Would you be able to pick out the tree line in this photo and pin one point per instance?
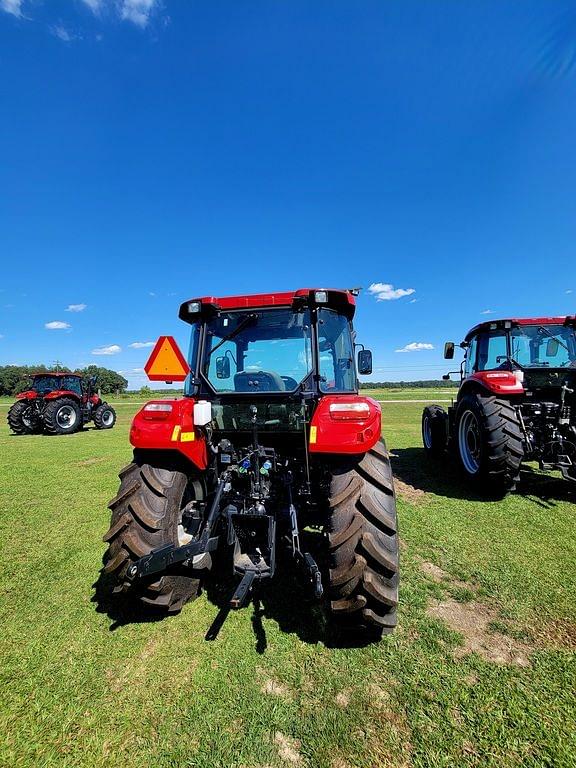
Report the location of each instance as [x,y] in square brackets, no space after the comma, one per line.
[16,378]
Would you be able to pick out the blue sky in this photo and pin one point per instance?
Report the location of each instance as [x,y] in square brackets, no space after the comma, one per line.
[154,151]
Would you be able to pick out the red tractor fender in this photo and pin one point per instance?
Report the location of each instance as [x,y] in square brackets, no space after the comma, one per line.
[169,425]
[30,394]
[502,383]
[62,393]
[345,424]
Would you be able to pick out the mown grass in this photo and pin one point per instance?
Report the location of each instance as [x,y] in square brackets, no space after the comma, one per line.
[79,688]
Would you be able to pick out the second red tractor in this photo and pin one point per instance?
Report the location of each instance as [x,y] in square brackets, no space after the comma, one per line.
[59,404]
[516,402]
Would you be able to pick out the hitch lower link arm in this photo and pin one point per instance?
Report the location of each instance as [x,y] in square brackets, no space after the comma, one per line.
[162,558]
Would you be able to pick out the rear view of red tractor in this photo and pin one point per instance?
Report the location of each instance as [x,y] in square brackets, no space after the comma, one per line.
[59,404]
[516,402]
[270,438]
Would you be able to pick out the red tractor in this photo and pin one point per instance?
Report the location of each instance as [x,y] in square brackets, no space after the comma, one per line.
[59,404]
[270,438]
[516,402]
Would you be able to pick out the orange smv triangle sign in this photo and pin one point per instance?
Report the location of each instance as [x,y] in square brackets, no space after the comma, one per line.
[167,363]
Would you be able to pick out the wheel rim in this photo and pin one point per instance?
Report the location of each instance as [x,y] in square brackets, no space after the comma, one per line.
[66,417]
[427,432]
[107,418]
[26,420]
[470,442]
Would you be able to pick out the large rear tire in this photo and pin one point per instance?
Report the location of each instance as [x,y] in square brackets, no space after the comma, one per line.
[363,542]
[21,420]
[62,417]
[434,430]
[147,514]
[489,442]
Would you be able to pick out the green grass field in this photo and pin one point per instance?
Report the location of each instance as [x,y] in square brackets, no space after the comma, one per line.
[481,671]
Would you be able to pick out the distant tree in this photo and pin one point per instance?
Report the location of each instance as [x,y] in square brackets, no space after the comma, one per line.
[145,391]
[109,382]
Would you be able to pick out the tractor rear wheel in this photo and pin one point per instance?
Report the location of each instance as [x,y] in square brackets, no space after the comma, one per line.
[21,420]
[434,430]
[147,514]
[104,416]
[62,417]
[489,441]
[363,540]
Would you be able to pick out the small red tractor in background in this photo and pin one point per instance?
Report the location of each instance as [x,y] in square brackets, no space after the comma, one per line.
[270,438]
[516,402]
[59,404]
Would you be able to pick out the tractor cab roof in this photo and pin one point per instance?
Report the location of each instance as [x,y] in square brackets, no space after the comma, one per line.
[60,373]
[333,298]
[510,322]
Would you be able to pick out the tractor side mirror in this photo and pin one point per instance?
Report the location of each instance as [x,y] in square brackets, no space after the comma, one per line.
[552,347]
[223,367]
[449,350]
[364,362]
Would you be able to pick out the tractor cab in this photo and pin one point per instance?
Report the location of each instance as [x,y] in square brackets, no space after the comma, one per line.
[519,356]
[278,353]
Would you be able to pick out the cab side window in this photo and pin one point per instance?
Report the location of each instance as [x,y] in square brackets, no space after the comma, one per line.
[492,351]
[470,365]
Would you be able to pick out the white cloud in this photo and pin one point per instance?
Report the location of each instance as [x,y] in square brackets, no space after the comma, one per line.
[416,346]
[387,292]
[141,344]
[113,349]
[569,290]
[62,33]
[76,307]
[137,11]
[12,6]
[56,325]
[137,370]
[413,301]
[487,312]
[94,5]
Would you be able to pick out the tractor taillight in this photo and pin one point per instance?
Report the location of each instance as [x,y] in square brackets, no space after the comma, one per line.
[349,410]
[157,411]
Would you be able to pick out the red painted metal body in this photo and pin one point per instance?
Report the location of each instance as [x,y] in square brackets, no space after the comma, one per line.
[170,430]
[498,382]
[337,298]
[342,431]
[31,395]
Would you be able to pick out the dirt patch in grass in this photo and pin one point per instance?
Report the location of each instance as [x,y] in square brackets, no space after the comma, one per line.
[342,699]
[440,576]
[273,688]
[288,748]
[408,492]
[472,621]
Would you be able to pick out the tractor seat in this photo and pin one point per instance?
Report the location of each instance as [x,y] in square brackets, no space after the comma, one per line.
[258,381]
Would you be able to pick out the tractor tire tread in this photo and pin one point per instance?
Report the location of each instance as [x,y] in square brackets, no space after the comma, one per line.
[363,543]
